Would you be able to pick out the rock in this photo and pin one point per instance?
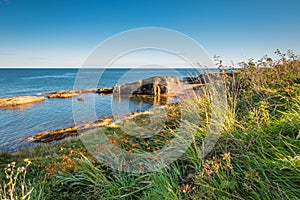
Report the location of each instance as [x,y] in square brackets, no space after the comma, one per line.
[106,90]
[151,86]
[55,135]
[80,99]
[98,123]
[70,131]
[63,95]
[19,100]
[89,90]
[73,93]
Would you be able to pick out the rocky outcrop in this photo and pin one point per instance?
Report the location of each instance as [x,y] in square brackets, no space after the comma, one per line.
[55,135]
[73,93]
[98,123]
[151,86]
[63,95]
[19,100]
[70,131]
[106,90]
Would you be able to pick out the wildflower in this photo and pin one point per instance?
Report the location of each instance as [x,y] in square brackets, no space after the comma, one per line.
[209,171]
[229,167]
[205,165]
[21,169]
[186,188]
[26,160]
[226,156]
[125,140]
[134,145]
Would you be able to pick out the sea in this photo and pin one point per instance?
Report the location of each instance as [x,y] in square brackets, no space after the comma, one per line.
[17,124]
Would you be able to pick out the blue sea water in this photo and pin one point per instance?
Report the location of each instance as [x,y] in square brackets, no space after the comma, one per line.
[17,124]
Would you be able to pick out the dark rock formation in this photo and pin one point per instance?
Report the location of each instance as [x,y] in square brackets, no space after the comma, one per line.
[19,100]
[54,135]
[106,90]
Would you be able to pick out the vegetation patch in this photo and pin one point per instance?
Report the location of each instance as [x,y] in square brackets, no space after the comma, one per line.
[257,156]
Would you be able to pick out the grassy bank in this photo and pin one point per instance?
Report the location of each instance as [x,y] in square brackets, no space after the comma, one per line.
[257,155]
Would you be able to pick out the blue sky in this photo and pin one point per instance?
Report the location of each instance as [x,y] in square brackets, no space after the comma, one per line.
[61,33]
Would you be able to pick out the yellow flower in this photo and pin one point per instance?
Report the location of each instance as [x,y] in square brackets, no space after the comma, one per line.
[27,161]
[226,156]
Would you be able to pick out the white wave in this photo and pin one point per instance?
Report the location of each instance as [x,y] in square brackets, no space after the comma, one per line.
[70,74]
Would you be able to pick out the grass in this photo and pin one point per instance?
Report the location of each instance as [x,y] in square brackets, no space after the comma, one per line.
[256,156]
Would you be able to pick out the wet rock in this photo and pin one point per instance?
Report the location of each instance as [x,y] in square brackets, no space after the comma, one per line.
[55,135]
[19,100]
[106,90]
[80,99]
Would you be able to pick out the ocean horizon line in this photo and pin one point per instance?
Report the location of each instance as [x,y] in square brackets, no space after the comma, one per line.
[108,68]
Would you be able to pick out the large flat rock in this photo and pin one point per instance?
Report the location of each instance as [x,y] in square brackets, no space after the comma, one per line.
[19,100]
[63,95]
[74,93]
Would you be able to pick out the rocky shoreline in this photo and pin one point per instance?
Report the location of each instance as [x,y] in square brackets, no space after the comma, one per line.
[154,86]
[158,85]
